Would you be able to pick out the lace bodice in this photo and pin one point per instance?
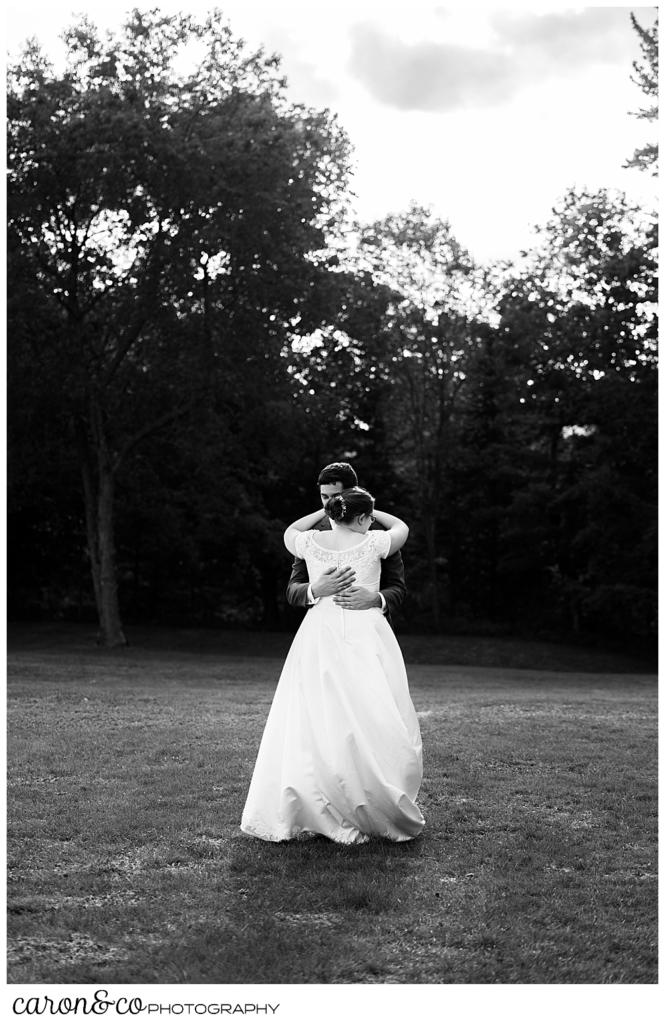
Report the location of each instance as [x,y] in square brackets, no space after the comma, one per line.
[364,558]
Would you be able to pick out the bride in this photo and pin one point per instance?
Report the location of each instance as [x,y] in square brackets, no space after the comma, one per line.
[341,753]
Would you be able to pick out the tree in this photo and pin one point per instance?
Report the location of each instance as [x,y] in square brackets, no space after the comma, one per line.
[430,329]
[581,319]
[646,78]
[164,231]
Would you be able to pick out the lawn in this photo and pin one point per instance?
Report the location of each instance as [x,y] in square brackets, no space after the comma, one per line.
[127,774]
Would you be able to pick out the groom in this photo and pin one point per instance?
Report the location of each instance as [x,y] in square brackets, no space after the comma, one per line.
[339,583]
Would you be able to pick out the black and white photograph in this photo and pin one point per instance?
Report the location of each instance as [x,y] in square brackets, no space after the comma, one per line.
[331,517]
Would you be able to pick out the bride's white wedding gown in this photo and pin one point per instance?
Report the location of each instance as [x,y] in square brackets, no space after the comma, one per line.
[341,753]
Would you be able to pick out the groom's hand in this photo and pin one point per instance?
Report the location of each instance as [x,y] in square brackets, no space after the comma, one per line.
[358,599]
[333,581]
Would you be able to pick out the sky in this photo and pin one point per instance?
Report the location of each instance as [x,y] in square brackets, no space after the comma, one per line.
[486,113]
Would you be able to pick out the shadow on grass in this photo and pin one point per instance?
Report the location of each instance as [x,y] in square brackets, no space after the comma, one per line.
[285,876]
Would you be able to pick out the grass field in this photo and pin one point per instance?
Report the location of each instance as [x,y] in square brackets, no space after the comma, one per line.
[127,776]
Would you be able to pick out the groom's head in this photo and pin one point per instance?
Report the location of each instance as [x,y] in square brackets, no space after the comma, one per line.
[336,478]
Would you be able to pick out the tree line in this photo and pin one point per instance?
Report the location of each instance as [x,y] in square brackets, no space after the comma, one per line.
[197,324]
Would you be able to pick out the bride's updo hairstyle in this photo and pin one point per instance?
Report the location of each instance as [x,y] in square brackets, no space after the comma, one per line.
[352,502]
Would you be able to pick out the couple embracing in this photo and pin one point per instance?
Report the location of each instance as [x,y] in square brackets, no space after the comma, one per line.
[341,752]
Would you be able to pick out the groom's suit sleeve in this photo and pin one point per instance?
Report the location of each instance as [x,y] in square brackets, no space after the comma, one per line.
[296,588]
[392,583]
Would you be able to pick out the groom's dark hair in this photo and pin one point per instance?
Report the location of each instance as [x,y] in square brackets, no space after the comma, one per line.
[341,471]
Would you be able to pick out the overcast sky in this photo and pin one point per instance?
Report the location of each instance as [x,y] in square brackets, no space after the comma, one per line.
[485,112]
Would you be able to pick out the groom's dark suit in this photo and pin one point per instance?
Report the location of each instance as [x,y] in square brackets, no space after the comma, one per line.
[391,584]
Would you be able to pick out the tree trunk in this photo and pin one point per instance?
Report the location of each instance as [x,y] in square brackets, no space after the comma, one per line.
[109,611]
[99,467]
[98,491]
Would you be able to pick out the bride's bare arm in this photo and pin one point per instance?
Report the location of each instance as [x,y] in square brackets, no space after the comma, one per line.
[396,528]
[300,525]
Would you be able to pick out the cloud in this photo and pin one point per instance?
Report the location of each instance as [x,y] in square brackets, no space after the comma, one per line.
[427,76]
[596,35]
[525,48]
